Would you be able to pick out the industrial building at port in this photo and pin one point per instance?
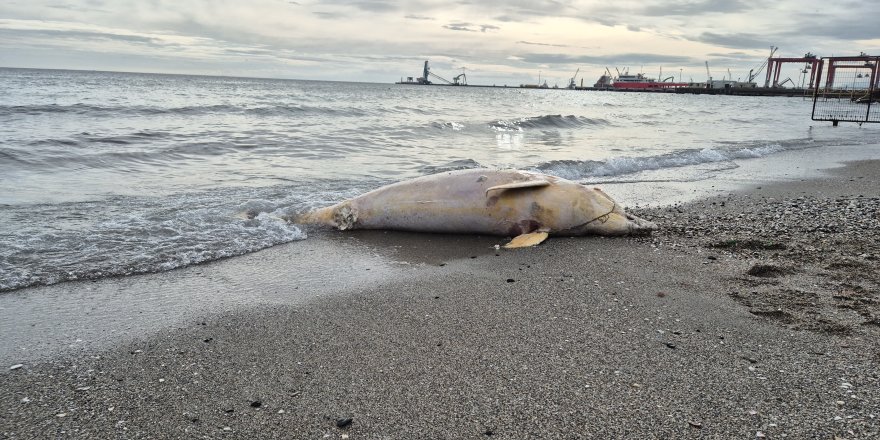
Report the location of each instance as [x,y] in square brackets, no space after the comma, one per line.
[811,70]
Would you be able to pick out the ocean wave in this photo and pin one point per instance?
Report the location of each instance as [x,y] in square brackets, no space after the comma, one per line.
[546,121]
[149,239]
[622,165]
[452,125]
[193,110]
[455,165]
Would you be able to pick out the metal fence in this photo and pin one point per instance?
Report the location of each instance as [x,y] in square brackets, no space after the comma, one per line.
[849,91]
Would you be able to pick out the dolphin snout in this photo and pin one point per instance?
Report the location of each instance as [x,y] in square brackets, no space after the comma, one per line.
[639,225]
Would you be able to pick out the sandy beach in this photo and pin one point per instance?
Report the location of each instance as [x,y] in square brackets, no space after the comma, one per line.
[750,314]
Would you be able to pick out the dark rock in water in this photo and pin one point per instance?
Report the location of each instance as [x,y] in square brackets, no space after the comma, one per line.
[489,433]
[256,404]
[343,423]
[670,345]
[510,280]
[766,271]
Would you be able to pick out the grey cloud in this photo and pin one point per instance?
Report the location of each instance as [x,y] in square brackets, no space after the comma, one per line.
[735,41]
[453,27]
[541,44]
[418,17]
[328,15]
[853,26]
[375,6]
[470,27]
[79,35]
[622,59]
[733,56]
[365,5]
[692,8]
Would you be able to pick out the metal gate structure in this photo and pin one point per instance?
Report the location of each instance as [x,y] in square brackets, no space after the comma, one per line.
[849,92]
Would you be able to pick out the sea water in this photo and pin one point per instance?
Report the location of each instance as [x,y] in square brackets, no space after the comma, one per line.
[107,174]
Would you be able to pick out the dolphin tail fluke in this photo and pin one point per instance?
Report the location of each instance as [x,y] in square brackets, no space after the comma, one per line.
[323,216]
[343,216]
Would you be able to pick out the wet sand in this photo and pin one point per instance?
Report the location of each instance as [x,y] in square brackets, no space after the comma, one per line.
[667,336]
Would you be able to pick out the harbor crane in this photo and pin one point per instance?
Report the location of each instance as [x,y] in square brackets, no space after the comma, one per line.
[427,75]
[460,80]
[708,74]
[757,71]
[571,83]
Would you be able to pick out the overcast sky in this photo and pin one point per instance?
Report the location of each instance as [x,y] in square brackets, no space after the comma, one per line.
[498,42]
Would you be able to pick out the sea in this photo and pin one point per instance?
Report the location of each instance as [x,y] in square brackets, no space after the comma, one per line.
[114,174]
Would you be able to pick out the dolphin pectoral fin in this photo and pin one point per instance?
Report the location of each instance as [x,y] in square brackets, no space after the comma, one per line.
[526,240]
[519,185]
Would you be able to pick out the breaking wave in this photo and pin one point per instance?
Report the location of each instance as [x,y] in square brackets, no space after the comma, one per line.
[546,121]
[148,237]
[622,165]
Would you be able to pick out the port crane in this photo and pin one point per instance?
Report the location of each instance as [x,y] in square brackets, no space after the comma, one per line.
[571,83]
[427,75]
[708,74]
[757,71]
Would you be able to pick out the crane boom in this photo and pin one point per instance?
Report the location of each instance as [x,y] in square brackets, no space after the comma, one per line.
[763,65]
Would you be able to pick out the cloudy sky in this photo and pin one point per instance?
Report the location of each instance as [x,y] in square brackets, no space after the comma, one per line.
[497,42]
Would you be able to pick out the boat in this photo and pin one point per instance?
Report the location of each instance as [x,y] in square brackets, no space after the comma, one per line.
[640,81]
[625,81]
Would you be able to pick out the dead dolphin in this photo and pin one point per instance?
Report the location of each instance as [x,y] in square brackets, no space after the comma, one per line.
[525,205]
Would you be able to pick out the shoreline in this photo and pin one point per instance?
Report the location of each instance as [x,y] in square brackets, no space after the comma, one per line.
[662,336]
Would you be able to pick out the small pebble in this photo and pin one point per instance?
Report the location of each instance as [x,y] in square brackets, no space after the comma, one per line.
[16,366]
[342,423]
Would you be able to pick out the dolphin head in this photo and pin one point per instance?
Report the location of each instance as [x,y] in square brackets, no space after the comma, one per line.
[599,214]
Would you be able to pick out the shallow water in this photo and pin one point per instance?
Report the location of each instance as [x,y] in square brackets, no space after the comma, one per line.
[115,173]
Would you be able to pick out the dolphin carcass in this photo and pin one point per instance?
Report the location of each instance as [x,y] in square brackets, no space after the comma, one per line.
[525,205]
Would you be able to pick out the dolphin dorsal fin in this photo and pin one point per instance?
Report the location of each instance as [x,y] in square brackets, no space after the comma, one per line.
[519,185]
